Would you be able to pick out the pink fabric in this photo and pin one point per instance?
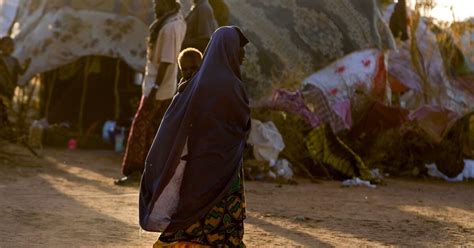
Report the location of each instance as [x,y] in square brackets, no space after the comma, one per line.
[435,121]
[343,110]
[293,102]
[360,71]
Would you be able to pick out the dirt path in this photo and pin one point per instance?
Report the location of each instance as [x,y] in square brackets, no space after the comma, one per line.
[68,200]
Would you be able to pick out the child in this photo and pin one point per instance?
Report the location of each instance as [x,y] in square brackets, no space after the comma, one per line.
[189,61]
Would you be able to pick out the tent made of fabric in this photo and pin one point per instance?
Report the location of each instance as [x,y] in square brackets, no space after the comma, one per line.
[360,72]
[434,121]
[466,44]
[56,33]
[312,34]
[8,10]
[440,90]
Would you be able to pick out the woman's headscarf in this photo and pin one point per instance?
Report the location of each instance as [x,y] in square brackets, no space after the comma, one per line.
[212,118]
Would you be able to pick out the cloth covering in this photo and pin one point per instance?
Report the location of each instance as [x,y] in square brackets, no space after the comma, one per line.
[266,140]
[212,117]
[53,34]
[443,91]
[466,45]
[434,121]
[313,34]
[362,71]
[8,11]
[326,148]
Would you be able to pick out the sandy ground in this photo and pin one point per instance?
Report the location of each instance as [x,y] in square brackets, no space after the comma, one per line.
[67,199]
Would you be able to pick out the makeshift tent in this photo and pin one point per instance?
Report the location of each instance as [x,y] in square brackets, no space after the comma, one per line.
[465,42]
[77,48]
[8,9]
[440,90]
[313,34]
[341,82]
[101,88]
[55,33]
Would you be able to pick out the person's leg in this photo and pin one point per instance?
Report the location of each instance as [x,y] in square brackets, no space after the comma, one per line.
[135,151]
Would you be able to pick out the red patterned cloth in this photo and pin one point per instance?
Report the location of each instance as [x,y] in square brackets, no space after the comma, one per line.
[146,123]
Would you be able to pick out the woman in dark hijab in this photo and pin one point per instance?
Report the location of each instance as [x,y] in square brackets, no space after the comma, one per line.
[192,186]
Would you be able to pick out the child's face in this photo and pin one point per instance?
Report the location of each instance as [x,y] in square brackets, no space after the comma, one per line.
[189,66]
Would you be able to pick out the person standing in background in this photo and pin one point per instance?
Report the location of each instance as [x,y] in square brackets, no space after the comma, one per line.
[165,39]
[221,12]
[10,69]
[201,24]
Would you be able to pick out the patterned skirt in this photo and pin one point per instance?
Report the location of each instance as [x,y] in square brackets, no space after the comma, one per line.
[223,226]
[144,127]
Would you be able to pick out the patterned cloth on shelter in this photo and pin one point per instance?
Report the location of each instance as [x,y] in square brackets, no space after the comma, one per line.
[442,91]
[326,148]
[56,33]
[313,34]
[332,90]
[379,118]
[436,122]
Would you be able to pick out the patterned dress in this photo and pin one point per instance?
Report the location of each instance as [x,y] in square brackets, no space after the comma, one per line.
[222,226]
[143,130]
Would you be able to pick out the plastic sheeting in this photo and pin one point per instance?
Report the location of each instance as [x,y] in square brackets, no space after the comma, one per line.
[266,140]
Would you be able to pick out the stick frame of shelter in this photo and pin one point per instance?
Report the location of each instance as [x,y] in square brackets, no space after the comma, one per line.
[83,96]
[417,57]
[24,102]
[116,90]
[50,93]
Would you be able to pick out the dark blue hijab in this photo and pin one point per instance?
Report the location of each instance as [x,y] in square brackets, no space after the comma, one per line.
[211,116]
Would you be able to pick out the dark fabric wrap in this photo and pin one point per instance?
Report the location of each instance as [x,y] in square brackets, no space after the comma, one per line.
[212,116]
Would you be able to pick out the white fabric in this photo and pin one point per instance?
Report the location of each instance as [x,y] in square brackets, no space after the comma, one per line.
[8,10]
[358,182]
[167,48]
[341,79]
[466,174]
[55,38]
[443,92]
[266,140]
[81,34]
